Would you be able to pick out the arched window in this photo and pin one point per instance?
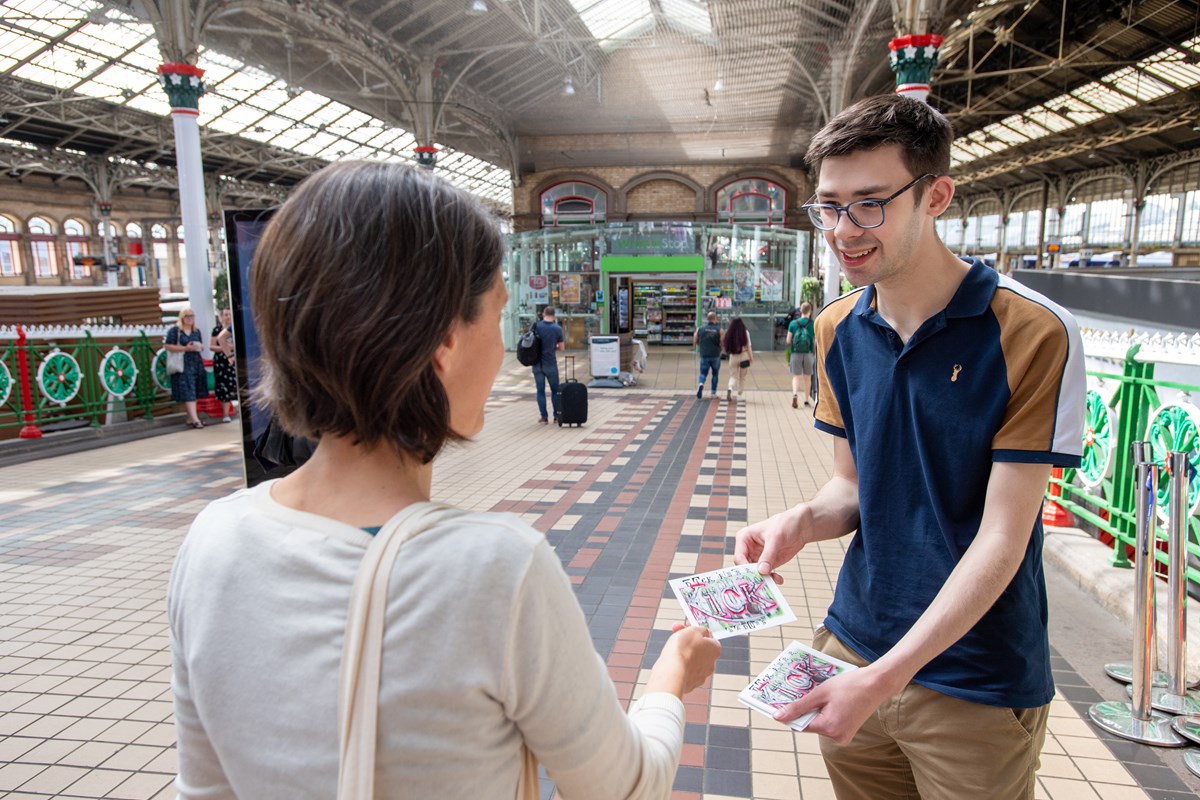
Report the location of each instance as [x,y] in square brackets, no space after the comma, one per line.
[133,231]
[41,246]
[574,203]
[158,232]
[78,244]
[10,248]
[752,200]
[1159,219]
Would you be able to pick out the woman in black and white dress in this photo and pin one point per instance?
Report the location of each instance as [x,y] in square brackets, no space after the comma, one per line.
[224,371]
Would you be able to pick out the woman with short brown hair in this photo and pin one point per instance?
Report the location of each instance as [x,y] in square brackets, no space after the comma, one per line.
[377,295]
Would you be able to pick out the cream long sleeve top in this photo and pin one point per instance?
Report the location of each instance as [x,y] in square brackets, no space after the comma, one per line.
[485,647]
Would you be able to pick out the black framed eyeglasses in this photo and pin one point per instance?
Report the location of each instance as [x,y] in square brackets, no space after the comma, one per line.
[863,213]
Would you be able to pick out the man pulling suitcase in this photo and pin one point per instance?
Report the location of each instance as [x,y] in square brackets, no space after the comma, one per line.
[545,368]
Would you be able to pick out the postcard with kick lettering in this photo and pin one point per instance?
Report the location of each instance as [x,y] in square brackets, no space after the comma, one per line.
[732,601]
[794,673]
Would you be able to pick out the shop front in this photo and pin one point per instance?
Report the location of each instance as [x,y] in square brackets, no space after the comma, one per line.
[654,281]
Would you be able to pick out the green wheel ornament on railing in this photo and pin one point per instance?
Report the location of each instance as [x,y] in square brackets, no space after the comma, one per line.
[1099,430]
[1175,427]
[59,377]
[159,369]
[6,383]
[117,372]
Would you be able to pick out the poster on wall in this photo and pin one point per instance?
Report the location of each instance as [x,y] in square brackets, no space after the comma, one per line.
[538,290]
[771,285]
[568,290]
[743,285]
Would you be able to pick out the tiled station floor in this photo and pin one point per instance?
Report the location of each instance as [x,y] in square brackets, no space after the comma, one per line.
[654,486]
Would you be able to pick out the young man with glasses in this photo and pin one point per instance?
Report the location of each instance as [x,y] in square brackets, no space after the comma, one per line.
[950,391]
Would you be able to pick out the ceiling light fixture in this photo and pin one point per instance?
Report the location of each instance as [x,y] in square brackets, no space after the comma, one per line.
[568,87]
[477,8]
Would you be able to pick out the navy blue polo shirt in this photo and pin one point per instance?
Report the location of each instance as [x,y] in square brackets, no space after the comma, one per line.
[998,375]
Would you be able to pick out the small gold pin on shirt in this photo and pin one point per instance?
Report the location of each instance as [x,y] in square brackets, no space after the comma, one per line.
[954,374]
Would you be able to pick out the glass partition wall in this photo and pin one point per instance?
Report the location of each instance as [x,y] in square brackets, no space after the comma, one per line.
[655,279]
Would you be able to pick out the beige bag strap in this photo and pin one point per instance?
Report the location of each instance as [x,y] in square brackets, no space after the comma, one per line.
[527,782]
[362,649]
[362,653]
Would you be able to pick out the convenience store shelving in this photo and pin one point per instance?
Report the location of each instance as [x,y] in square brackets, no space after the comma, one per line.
[679,312]
[647,312]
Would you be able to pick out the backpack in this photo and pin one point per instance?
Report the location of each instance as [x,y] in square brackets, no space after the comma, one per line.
[529,347]
[802,339]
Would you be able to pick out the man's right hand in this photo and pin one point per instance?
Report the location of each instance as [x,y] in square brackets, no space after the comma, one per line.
[772,542]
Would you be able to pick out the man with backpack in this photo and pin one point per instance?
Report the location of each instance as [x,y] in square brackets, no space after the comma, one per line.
[541,353]
[800,353]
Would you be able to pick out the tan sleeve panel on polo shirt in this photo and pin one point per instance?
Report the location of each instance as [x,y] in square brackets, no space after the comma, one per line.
[1035,347]
[824,331]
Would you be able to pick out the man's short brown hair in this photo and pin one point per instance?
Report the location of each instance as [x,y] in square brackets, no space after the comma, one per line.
[924,135]
[355,284]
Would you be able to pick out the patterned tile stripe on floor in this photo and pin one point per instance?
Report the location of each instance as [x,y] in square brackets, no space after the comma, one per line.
[87,540]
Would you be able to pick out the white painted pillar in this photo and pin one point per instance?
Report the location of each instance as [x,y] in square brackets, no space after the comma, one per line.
[182,83]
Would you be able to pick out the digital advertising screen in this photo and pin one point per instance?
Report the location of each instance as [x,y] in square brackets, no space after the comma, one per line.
[243,229]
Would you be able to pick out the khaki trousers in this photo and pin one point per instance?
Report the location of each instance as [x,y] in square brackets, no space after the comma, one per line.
[737,375]
[927,745]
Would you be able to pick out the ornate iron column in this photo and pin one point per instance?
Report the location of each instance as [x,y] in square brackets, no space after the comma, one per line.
[109,257]
[426,155]
[183,85]
[913,59]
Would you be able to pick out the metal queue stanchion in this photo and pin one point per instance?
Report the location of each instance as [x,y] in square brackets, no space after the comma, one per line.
[1137,720]
[1189,728]
[1123,670]
[1176,694]
[1174,698]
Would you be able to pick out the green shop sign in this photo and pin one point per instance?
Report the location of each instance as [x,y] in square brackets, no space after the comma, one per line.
[678,241]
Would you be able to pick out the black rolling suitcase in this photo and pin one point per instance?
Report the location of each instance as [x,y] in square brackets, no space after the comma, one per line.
[572,399]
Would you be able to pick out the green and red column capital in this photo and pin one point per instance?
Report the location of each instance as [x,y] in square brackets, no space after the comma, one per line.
[183,84]
[913,59]
[426,155]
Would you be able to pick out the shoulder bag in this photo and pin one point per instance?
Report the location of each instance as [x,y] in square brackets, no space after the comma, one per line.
[175,359]
[362,653]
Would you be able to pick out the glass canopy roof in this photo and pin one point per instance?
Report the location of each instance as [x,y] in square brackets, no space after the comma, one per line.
[1166,72]
[614,23]
[78,46]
